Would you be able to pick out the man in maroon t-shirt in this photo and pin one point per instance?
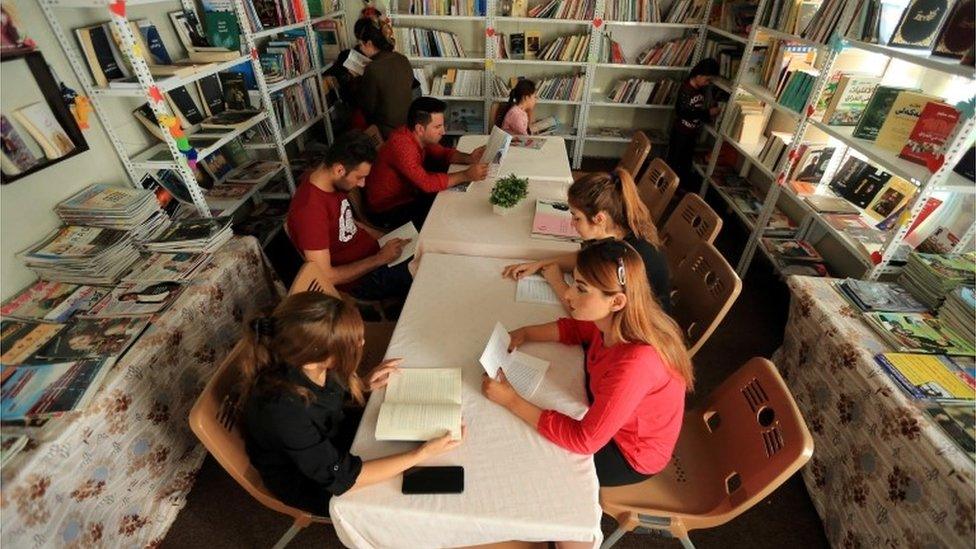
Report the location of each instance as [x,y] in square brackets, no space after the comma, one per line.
[412,167]
[321,224]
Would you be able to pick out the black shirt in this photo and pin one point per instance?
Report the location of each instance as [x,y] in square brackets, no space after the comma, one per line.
[656,265]
[294,446]
[691,108]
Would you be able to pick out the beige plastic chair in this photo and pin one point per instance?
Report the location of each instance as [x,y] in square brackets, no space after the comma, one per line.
[375,136]
[703,290]
[633,158]
[213,420]
[311,279]
[692,221]
[741,444]
[657,187]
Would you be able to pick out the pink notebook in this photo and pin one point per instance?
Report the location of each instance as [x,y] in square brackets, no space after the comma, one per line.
[553,220]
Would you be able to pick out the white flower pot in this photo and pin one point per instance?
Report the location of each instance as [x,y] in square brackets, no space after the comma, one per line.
[499,210]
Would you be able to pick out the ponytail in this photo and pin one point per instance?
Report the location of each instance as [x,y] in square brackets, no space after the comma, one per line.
[615,194]
[522,89]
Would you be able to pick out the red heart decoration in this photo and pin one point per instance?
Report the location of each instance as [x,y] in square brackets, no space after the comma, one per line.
[792,154]
[781,178]
[809,110]
[254,53]
[598,22]
[157,97]
[875,257]
[117,7]
[490,32]
[934,163]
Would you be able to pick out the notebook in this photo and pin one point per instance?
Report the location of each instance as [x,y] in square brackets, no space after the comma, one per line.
[421,404]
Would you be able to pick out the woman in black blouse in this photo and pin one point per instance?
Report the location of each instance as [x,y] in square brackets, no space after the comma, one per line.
[300,371]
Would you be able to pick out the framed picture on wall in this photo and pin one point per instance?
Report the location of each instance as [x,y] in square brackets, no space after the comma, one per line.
[37,130]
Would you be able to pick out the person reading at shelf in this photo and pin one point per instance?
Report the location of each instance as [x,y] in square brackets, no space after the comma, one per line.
[299,370]
[515,117]
[385,88]
[412,167]
[321,224]
[607,205]
[637,369]
[693,109]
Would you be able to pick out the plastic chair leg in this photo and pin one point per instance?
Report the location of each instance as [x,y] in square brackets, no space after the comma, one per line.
[613,538]
[292,531]
[686,542]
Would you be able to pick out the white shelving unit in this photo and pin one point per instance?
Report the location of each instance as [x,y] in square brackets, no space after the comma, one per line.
[155,157]
[778,194]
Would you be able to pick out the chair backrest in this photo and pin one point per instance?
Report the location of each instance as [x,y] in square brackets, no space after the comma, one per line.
[311,279]
[214,420]
[375,136]
[657,187]
[753,437]
[692,221]
[703,290]
[637,151]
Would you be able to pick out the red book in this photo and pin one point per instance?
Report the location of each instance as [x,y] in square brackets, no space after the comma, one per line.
[929,136]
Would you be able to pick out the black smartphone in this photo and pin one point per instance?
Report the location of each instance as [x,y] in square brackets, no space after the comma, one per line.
[434,480]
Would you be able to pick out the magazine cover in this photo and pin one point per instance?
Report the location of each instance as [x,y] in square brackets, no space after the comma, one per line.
[77,241]
[162,267]
[38,300]
[553,220]
[868,295]
[135,299]
[87,338]
[796,250]
[958,422]
[20,339]
[918,333]
[47,390]
[930,377]
[194,229]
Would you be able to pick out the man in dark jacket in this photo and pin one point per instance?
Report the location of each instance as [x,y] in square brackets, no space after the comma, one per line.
[691,112]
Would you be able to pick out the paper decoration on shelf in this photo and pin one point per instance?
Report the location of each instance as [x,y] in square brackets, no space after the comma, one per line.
[137,49]
[810,110]
[254,53]
[489,32]
[117,7]
[598,22]
[191,158]
[81,108]
[837,43]
[966,108]
[489,64]
[154,92]
[875,257]
[183,143]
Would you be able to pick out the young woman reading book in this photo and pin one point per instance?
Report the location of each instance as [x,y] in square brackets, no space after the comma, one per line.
[300,370]
[607,205]
[515,117]
[637,369]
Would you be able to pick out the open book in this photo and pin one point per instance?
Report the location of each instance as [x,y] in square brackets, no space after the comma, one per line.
[421,404]
[405,231]
[535,289]
[356,62]
[496,149]
[524,372]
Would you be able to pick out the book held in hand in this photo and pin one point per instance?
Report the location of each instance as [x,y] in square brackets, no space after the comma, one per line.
[525,372]
[421,404]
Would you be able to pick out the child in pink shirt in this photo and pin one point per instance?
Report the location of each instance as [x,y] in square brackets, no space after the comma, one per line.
[513,117]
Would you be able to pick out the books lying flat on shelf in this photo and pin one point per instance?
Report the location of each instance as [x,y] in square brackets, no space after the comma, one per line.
[958,311]
[748,120]
[255,172]
[178,267]
[93,337]
[421,404]
[936,378]
[50,301]
[45,129]
[82,255]
[871,296]
[21,339]
[918,333]
[830,204]
[792,249]
[930,277]
[406,232]
[193,235]
[230,119]
[957,421]
[49,390]
[553,221]
[852,227]
[136,299]
[536,289]
[525,372]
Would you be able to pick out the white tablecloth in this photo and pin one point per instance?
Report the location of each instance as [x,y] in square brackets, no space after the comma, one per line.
[550,163]
[518,485]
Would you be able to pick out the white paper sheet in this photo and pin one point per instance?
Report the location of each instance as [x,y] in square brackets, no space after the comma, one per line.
[407,231]
[524,372]
[535,289]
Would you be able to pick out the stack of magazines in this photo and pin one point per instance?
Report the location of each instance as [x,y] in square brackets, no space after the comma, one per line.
[871,296]
[958,311]
[930,277]
[113,207]
[51,301]
[193,235]
[918,333]
[931,377]
[82,255]
[178,267]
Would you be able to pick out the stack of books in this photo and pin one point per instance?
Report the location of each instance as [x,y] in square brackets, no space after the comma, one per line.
[645,11]
[82,255]
[669,53]
[114,207]
[566,48]
[564,9]
[635,91]
[193,235]
[931,277]
[918,333]
[687,11]
[958,311]
[458,83]
[748,121]
[871,296]
[420,42]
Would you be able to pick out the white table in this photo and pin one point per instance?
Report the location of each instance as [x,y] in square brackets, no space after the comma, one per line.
[550,163]
[518,485]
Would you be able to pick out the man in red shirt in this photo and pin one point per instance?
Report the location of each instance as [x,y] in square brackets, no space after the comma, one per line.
[412,167]
[321,224]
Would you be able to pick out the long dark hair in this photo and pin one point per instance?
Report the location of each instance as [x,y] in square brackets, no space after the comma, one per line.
[616,194]
[367,30]
[305,328]
[523,88]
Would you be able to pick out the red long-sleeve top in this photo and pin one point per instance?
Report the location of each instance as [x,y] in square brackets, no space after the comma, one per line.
[637,400]
[403,170]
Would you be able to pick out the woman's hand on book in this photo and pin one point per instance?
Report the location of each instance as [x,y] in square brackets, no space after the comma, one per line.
[522,270]
[442,444]
[380,375]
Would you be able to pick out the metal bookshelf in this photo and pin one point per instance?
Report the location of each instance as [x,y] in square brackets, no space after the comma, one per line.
[151,91]
[812,222]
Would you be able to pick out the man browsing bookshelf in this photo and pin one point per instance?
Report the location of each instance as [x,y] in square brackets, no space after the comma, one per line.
[412,167]
[322,226]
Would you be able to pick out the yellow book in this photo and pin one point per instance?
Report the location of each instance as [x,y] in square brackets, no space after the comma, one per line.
[532,40]
[895,194]
[520,8]
[901,120]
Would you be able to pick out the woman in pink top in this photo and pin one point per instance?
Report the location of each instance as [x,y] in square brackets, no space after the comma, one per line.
[515,116]
[637,369]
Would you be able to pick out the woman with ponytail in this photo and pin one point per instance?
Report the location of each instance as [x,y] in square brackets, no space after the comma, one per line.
[607,205]
[300,368]
[385,92]
[637,369]
[515,116]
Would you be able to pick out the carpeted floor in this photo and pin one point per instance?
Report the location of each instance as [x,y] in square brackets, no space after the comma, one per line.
[220,514]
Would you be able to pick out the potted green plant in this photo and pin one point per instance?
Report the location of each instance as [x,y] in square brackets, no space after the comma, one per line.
[507,192]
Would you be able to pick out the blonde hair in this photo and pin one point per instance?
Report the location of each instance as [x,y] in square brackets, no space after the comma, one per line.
[616,194]
[612,266]
[305,328]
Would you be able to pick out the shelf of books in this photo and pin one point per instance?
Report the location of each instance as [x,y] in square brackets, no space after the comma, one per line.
[847,138]
[205,94]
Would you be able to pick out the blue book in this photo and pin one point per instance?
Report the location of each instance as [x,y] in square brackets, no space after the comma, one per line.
[157,50]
